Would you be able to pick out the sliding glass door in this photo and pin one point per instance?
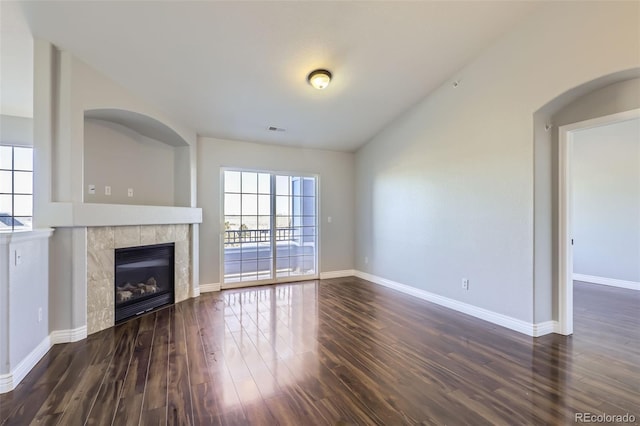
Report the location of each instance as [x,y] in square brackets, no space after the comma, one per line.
[270,227]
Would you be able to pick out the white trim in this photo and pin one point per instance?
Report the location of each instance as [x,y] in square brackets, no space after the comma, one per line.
[68,336]
[511,323]
[613,282]
[337,274]
[206,288]
[258,283]
[20,236]
[65,214]
[565,248]
[565,208]
[8,382]
[546,327]
[273,174]
[194,258]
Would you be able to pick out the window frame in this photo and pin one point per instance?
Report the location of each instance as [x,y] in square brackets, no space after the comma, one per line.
[275,278]
[13,217]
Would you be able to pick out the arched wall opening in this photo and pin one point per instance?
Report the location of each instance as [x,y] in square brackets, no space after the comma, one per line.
[600,97]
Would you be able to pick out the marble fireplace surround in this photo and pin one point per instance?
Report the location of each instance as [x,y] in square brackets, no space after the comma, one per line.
[101,244]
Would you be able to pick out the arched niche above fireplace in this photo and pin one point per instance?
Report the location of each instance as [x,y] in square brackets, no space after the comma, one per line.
[140,123]
[131,158]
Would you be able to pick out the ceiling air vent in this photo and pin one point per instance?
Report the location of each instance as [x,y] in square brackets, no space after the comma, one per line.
[275,129]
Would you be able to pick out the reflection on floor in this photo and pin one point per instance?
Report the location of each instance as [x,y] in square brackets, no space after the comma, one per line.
[339,351]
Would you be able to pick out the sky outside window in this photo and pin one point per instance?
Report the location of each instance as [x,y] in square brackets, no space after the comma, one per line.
[16,188]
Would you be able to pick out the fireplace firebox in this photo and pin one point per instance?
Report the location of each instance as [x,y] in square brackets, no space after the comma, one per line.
[144,279]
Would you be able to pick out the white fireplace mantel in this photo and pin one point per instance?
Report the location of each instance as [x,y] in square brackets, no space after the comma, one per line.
[89,214]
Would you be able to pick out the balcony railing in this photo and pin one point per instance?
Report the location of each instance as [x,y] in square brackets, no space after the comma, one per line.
[247,260]
[256,235]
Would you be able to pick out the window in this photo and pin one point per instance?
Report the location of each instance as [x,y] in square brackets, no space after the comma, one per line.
[270,227]
[16,188]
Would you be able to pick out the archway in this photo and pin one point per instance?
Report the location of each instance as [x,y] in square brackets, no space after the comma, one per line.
[601,97]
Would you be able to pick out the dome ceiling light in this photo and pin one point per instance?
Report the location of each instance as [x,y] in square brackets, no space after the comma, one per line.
[319,79]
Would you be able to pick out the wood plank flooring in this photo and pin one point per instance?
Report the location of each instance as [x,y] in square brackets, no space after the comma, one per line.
[336,352]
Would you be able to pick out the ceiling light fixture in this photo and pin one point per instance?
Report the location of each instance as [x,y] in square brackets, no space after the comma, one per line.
[319,79]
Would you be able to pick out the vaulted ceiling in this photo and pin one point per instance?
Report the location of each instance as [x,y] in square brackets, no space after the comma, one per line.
[232,69]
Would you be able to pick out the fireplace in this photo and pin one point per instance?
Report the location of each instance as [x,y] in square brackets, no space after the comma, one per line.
[144,279]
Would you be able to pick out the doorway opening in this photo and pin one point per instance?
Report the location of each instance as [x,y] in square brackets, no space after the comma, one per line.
[567,134]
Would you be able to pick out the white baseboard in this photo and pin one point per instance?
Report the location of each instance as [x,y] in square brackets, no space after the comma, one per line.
[530,329]
[68,336]
[8,382]
[206,288]
[547,327]
[337,274]
[630,285]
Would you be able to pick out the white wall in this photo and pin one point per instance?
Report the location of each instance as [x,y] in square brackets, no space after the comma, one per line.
[64,88]
[608,95]
[16,130]
[24,303]
[121,158]
[63,315]
[606,197]
[28,293]
[336,196]
[447,190]
[5,261]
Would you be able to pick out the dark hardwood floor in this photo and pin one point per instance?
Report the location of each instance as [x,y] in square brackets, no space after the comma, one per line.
[336,352]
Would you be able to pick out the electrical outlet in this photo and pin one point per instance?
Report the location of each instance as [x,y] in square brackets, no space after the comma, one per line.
[366,260]
[130,192]
[18,257]
[39,314]
[329,219]
[465,283]
[107,190]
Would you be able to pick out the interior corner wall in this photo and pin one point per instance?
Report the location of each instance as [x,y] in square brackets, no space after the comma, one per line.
[336,196]
[67,279]
[60,280]
[183,193]
[600,97]
[447,190]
